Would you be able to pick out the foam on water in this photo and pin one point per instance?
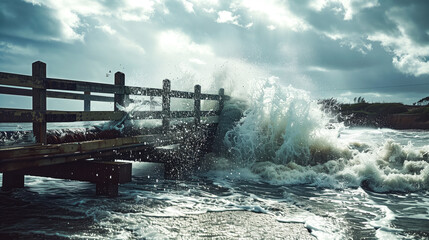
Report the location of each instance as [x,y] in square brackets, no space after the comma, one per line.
[285,138]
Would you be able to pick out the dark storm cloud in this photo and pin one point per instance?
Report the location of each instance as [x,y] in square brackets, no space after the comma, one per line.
[25,20]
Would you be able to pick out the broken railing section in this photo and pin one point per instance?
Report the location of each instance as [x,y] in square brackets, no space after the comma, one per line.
[40,87]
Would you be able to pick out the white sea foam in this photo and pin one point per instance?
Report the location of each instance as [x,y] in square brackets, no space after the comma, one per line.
[285,138]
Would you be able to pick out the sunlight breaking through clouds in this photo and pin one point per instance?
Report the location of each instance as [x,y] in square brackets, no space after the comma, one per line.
[344,43]
[275,12]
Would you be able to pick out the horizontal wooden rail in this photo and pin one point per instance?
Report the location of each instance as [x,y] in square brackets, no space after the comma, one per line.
[19,80]
[40,87]
[21,115]
[55,94]
[209,97]
[73,85]
[181,94]
[12,79]
[141,91]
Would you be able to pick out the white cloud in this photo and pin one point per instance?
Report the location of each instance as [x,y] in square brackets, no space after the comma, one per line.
[189,7]
[7,47]
[409,56]
[136,10]
[69,13]
[227,17]
[173,41]
[107,29]
[197,61]
[348,7]
[271,27]
[317,69]
[205,3]
[275,12]
[209,10]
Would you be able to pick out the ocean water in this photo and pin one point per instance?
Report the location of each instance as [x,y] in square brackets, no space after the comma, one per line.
[281,169]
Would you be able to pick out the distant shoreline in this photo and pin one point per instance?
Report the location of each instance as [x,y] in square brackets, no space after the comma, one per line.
[385,115]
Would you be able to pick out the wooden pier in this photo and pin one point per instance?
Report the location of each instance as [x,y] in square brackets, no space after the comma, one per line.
[179,146]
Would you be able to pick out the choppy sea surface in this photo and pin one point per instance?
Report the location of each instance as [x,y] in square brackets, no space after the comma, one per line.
[281,168]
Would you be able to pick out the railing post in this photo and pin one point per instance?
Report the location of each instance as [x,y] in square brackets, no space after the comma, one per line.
[151,103]
[87,101]
[197,105]
[119,97]
[39,102]
[166,87]
[221,99]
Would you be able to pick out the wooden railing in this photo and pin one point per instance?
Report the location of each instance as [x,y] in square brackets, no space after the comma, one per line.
[43,87]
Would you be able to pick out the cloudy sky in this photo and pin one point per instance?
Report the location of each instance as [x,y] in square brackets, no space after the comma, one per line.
[378,49]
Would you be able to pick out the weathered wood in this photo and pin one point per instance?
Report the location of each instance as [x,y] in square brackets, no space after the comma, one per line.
[35,151]
[119,97]
[19,80]
[73,85]
[54,94]
[166,87]
[78,96]
[191,114]
[106,175]
[64,116]
[17,115]
[87,170]
[205,96]
[197,105]
[221,100]
[87,101]
[181,94]
[114,151]
[39,102]
[16,91]
[12,180]
[142,91]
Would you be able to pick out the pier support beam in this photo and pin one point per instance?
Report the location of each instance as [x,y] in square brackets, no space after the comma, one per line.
[106,175]
[12,180]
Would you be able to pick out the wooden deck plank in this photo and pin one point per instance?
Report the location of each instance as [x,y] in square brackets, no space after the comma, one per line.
[35,151]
